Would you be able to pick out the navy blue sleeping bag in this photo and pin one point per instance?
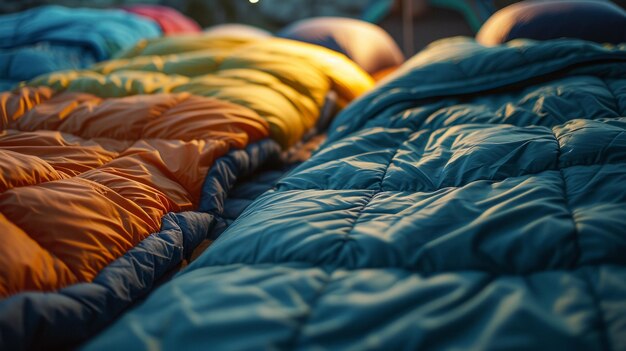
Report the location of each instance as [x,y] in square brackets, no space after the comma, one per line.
[54,38]
[476,200]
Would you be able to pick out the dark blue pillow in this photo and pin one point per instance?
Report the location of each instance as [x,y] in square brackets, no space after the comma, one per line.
[598,21]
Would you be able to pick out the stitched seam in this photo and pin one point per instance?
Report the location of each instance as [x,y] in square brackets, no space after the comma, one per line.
[416,270]
[68,177]
[459,67]
[576,235]
[346,236]
[371,196]
[292,343]
[604,337]
[91,139]
[93,183]
[75,276]
[165,111]
[382,178]
[522,55]
[461,185]
[62,176]
[617,101]
[98,102]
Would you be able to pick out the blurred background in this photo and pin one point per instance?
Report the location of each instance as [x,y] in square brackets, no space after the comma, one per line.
[412,23]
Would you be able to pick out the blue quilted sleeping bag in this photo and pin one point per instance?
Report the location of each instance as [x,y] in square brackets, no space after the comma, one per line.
[476,200]
[54,38]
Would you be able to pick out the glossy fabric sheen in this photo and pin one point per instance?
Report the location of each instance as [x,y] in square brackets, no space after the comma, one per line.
[475,200]
[284,81]
[85,179]
[114,177]
[52,38]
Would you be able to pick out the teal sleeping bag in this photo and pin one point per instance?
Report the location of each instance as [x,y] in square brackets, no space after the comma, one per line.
[53,38]
[474,200]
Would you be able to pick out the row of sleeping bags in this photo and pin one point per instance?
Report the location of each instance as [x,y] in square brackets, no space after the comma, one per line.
[475,199]
[112,175]
[54,38]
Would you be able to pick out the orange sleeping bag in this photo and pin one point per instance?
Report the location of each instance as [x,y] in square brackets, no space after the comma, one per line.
[84,179]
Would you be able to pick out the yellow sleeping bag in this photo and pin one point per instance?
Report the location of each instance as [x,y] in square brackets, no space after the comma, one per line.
[284,81]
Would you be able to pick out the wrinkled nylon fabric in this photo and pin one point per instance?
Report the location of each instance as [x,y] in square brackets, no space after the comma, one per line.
[474,200]
[100,190]
[284,81]
[85,179]
[69,316]
[53,38]
[60,320]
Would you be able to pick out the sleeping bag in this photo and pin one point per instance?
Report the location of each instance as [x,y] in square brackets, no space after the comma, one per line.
[475,200]
[284,81]
[114,175]
[52,38]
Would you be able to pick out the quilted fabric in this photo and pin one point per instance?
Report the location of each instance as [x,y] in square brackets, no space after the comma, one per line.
[111,179]
[284,81]
[474,201]
[116,165]
[53,38]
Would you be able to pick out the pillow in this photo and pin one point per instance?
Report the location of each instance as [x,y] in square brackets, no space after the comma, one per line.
[364,43]
[599,21]
[238,30]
